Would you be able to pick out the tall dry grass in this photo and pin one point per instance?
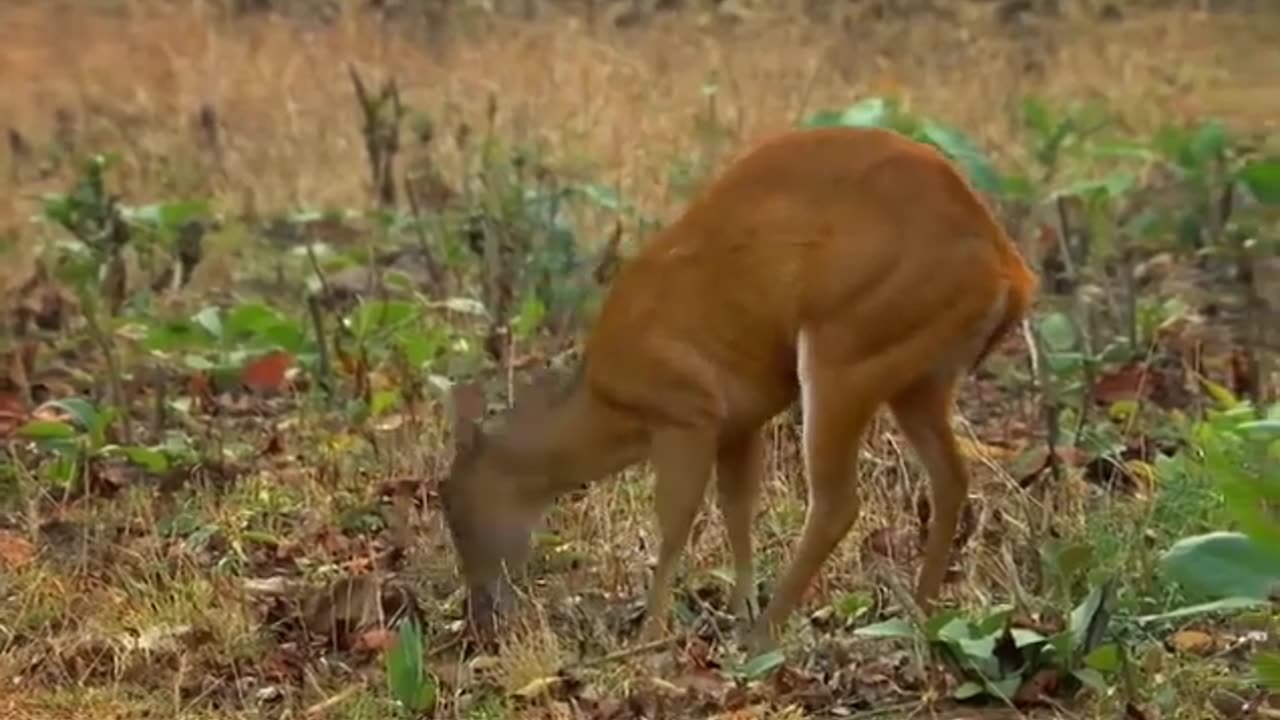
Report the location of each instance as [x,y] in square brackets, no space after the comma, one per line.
[619,102]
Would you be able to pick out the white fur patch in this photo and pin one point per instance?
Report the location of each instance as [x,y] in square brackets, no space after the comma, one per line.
[804,373]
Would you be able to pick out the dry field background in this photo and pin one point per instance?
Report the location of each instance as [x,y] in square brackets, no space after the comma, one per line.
[615,96]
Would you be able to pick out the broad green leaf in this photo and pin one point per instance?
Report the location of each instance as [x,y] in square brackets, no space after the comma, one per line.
[965,153]
[1223,605]
[284,335]
[1091,678]
[1036,115]
[151,460]
[197,363]
[872,112]
[176,335]
[47,430]
[382,401]
[994,620]
[1111,186]
[1223,564]
[1006,687]
[411,684]
[1089,619]
[82,410]
[1208,143]
[761,665]
[933,626]
[168,215]
[1223,396]
[1266,665]
[250,319]
[1057,331]
[1262,427]
[605,197]
[1262,177]
[1122,150]
[1022,637]
[210,319]
[378,315]
[1104,658]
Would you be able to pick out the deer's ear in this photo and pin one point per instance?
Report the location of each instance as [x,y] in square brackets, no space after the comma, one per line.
[468,406]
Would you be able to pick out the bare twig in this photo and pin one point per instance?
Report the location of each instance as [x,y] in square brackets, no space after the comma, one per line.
[630,652]
[334,700]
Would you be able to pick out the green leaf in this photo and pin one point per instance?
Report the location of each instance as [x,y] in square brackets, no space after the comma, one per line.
[379,315]
[1262,427]
[1208,143]
[1089,619]
[1225,604]
[410,683]
[1223,564]
[874,112]
[605,197]
[47,430]
[1036,115]
[248,319]
[1104,658]
[1112,186]
[892,628]
[210,319]
[177,335]
[1057,331]
[1262,177]
[151,460]
[968,690]
[82,410]
[1022,637]
[1091,678]
[168,215]
[965,153]
[1267,667]
[761,665]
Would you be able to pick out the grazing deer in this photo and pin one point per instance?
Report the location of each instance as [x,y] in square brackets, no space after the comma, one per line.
[850,268]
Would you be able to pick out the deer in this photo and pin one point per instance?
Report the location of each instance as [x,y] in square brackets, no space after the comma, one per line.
[844,268]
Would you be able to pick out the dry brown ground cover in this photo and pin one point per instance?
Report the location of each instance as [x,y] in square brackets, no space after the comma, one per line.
[184,593]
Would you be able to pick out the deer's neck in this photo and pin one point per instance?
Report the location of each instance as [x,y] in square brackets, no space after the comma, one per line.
[579,441]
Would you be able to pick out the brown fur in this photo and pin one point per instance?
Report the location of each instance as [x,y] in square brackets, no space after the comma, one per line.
[871,245]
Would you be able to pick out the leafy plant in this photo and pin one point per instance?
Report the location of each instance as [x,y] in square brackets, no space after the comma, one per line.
[996,659]
[1240,453]
[414,688]
[887,113]
[83,437]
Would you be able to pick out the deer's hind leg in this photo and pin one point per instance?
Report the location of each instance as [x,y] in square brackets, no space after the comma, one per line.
[836,408]
[922,412]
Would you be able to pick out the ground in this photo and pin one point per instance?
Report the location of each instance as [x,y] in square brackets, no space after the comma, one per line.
[225,513]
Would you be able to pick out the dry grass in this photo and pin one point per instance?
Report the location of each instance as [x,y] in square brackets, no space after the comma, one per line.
[624,102]
[617,106]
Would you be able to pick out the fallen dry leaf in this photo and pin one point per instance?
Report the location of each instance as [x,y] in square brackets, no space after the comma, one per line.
[975,449]
[1193,642]
[1128,382]
[16,552]
[268,372]
[376,640]
[538,687]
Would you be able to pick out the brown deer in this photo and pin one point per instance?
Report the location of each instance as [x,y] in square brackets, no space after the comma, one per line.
[849,268]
